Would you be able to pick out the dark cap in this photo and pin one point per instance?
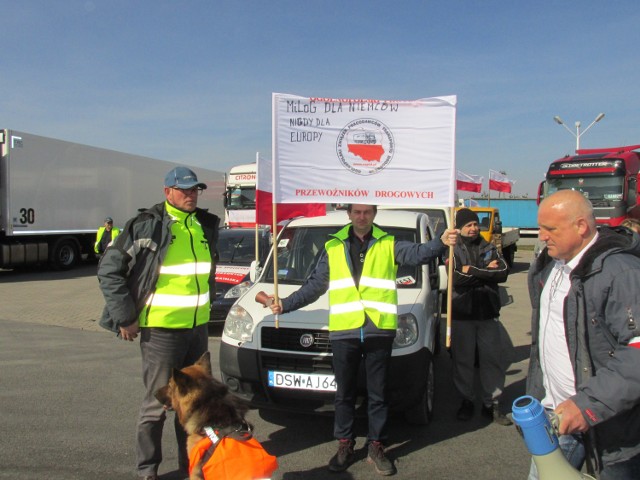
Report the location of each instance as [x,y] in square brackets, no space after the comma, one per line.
[182,177]
[464,216]
[108,220]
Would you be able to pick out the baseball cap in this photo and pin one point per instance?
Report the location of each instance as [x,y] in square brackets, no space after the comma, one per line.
[182,177]
[108,220]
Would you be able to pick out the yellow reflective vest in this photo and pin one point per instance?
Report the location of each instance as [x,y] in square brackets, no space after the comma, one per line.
[376,294]
[114,233]
[181,297]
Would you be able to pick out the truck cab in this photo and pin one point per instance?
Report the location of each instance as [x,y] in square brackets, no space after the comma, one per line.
[608,177]
[240,196]
[287,363]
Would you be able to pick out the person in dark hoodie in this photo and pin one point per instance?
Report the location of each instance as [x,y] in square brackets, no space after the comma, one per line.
[585,339]
[478,268]
[157,279]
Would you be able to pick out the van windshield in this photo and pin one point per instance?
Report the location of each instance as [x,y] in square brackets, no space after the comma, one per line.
[299,249]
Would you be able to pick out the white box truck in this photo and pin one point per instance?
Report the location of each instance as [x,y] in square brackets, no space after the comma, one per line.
[240,196]
[55,194]
[289,366]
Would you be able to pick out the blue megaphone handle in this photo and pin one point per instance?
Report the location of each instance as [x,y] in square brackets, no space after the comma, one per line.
[539,435]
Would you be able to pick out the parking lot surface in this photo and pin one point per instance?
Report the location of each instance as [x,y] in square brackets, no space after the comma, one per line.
[70,393]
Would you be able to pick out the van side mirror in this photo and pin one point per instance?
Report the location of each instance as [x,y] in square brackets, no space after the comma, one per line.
[255,271]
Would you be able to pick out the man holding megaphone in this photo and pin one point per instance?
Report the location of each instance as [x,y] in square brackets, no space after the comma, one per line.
[585,348]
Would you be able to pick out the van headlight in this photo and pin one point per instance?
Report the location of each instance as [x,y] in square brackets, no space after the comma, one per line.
[239,324]
[237,290]
[407,331]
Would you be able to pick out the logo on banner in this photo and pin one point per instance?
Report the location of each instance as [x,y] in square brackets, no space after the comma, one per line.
[365,146]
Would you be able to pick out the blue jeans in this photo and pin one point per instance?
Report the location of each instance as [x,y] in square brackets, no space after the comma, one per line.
[347,355]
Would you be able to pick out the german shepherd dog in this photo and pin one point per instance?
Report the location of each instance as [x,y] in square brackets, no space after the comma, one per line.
[200,401]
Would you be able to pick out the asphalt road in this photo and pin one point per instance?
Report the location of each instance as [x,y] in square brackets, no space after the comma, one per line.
[70,392]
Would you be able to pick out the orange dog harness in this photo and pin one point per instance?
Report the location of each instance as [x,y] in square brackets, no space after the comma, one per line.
[232,454]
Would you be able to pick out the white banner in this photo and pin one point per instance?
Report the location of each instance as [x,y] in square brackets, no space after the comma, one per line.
[377,152]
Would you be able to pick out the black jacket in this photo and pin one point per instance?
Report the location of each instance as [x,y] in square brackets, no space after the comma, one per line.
[475,294]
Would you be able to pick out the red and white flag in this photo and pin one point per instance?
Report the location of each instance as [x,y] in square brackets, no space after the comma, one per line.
[469,183]
[264,199]
[499,182]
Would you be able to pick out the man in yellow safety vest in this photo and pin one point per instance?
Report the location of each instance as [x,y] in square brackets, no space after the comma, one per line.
[359,267]
[156,280]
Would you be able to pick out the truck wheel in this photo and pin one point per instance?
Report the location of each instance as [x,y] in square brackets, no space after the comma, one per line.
[64,254]
[422,412]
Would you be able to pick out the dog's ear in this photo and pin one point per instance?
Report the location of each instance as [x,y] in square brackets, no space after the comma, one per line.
[184,383]
[205,362]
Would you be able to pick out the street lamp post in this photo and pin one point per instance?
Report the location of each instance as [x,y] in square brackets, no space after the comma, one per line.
[578,133]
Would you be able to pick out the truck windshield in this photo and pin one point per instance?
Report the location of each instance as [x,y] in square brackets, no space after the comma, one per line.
[594,188]
[241,198]
[299,250]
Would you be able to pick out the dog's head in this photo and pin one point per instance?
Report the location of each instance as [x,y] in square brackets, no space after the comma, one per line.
[199,399]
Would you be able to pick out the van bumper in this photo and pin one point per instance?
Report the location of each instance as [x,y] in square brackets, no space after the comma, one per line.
[244,371]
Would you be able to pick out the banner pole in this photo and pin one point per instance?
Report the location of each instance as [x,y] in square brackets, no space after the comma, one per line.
[276,298]
[450,286]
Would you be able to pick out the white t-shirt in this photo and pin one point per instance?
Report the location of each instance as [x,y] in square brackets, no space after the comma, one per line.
[557,373]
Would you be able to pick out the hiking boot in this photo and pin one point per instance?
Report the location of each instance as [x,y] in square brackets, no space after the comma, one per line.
[493,413]
[381,463]
[343,457]
[465,412]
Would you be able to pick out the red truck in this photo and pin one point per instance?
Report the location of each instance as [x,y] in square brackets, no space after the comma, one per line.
[608,177]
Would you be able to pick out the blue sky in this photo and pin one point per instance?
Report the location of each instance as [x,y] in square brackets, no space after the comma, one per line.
[191,81]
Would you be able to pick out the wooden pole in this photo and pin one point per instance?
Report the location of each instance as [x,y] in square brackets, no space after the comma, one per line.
[450,284]
[276,298]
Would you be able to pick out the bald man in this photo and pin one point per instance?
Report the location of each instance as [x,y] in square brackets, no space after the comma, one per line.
[585,345]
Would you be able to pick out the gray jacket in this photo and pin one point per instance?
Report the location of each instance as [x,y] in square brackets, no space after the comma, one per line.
[599,312]
[129,269]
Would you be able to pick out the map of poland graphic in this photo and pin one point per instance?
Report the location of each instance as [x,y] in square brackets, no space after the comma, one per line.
[366,146]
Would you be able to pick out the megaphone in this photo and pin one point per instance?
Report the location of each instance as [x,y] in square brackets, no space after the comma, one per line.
[541,440]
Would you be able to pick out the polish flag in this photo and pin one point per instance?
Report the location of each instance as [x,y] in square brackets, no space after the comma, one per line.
[635,342]
[469,183]
[284,211]
[499,182]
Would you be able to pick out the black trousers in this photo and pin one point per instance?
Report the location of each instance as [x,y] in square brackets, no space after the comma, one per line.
[375,352]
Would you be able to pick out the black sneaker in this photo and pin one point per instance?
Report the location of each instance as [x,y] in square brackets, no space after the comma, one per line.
[344,456]
[382,464]
[493,413]
[465,412]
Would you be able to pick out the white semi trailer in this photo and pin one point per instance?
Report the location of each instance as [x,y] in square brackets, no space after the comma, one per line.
[55,194]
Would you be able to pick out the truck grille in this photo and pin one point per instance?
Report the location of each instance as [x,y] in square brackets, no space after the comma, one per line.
[296,364]
[289,339]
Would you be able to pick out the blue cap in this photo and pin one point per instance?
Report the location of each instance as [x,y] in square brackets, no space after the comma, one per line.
[182,177]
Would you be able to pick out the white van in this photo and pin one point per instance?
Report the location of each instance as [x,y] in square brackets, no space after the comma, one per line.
[288,366]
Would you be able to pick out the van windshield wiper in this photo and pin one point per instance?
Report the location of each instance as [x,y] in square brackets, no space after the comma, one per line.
[236,247]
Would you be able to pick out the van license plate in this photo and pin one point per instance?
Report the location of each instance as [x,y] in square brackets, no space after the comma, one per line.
[302,381]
